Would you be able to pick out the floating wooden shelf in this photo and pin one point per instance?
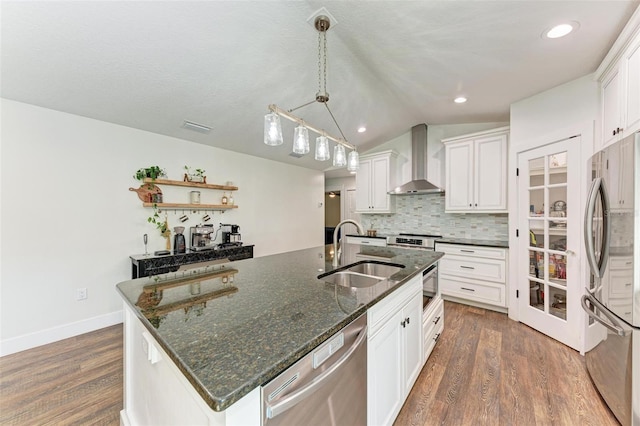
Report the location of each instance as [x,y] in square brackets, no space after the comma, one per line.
[179,206]
[190,184]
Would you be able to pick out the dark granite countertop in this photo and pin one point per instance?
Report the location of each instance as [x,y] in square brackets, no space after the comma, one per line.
[233,327]
[472,242]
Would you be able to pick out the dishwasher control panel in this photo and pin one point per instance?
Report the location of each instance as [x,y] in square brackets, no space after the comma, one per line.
[328,349]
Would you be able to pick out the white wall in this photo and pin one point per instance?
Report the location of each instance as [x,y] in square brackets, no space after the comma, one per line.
[68,219]
[561,107]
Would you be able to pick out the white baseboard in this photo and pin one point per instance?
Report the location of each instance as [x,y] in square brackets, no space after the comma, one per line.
[50,335]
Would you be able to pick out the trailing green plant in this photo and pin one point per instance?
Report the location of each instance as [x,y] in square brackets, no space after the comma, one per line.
[152,172]
[157,221]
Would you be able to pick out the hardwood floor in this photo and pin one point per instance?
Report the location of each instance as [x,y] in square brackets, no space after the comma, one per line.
[485,370]
[489,370]
[74,381]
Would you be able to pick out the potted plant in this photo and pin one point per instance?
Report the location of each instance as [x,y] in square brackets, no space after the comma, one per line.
[196,175]
[152,172]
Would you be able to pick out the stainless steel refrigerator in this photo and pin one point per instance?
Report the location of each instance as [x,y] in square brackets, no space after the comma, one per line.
[612,296]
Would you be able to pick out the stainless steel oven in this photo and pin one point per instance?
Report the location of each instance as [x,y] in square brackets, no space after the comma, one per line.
[430,275]
[429,285]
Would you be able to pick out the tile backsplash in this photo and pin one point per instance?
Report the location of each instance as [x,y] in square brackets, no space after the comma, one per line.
[424,214]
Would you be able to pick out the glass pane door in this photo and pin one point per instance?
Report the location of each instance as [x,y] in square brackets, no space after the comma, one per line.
[548,233]
[548,211]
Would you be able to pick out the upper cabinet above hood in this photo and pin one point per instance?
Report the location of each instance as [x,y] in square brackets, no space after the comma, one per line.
[418,183]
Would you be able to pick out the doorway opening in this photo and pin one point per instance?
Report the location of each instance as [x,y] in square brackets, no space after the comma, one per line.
[332,214]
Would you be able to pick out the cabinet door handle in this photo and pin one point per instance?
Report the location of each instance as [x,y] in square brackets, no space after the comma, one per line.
[408,321]
[470,205]
[437,320]
[468,289]
[403,323]
[435,339]
[614,132]
[467,267]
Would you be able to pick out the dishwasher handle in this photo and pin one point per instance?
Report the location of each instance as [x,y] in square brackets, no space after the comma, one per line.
[304,392]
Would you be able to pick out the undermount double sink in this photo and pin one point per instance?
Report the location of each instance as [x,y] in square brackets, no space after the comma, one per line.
[362,274]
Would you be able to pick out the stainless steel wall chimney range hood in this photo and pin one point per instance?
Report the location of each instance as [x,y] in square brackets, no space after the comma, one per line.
[418,183]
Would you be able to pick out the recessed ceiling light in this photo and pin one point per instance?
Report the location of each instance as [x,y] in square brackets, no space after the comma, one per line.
[362,129]
[460,100]
[561,30]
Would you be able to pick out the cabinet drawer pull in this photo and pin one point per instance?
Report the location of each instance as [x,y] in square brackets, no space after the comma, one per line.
[467,267]
[435,339]
[437,320]
[468,289]
[628,263]
[627,285]
[467,251]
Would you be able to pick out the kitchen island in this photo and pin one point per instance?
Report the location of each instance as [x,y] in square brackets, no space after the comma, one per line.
[231,328]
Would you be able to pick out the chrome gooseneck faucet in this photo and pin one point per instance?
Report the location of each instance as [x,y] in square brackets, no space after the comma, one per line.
[337,251]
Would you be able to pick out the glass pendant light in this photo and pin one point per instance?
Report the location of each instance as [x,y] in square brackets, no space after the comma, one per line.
[353,162]
[301,140]
[339,156]
[322,149]
[272,129]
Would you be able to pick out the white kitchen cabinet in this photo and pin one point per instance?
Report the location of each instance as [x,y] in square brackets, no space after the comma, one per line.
[619,77]
[158,393]
[394,351]
[474,275]
[374,179]
[476,172]
[432,326]
[620,171]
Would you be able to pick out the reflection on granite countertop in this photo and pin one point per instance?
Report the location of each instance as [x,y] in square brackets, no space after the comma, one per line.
[472,242]
[233,327]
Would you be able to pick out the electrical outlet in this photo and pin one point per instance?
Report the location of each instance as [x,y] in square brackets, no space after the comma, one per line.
[81,293]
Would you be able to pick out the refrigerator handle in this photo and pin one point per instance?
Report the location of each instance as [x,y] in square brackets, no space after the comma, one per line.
[597,268]
[615,326]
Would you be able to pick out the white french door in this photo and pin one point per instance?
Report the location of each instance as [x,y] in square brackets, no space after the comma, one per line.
[549,225]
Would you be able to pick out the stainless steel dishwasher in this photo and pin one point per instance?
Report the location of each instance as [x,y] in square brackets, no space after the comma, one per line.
[328,386]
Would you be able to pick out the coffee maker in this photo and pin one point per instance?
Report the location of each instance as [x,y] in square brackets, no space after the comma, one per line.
[202,237]
[230,235]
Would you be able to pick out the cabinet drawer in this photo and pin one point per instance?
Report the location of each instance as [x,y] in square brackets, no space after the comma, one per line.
[473,268]
[369,241]
[433,318]
[475,251]
[485,292]
[624,262]
[378,313]
[621,283]
[431,339]
[623,308]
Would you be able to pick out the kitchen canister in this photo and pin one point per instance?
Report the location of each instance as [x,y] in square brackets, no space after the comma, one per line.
[195,197]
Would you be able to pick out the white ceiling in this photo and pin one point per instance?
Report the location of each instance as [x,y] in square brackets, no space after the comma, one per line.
[392,64]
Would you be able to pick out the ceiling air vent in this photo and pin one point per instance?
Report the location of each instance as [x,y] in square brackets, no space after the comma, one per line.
[200,128]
